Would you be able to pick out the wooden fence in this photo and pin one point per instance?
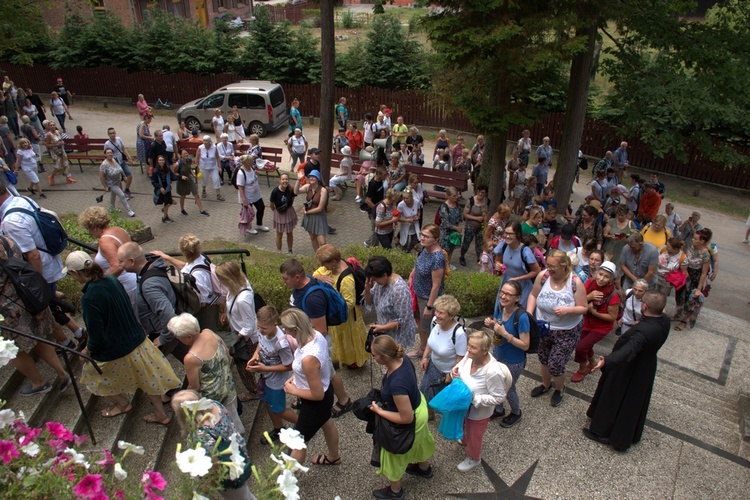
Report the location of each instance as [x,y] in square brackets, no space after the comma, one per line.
[416,107]
[286,12]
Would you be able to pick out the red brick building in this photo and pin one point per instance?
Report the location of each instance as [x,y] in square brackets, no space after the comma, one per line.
[133,11]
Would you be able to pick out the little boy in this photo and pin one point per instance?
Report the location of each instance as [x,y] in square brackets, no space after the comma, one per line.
[273,359]
[340,141]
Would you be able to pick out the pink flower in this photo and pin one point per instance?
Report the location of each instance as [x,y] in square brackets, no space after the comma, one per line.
[155,479]
[22,428]
[79,440]
[8,451]
[89,486]
[100,495]
[107,460]
[58,445]
[59,431]
[119,494]
[29,436]
[153,496]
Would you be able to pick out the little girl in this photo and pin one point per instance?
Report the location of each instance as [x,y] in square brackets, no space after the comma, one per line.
[533,243]
[486,262]
[273,359]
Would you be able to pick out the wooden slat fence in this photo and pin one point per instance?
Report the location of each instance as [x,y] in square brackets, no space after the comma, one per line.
[416,107]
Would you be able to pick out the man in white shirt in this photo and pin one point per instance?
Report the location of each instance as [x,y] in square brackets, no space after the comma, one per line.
[171,141]
[121,156]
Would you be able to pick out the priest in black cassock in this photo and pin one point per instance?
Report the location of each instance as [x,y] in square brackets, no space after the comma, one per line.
[618,409]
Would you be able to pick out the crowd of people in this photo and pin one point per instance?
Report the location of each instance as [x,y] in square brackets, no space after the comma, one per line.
[569,278]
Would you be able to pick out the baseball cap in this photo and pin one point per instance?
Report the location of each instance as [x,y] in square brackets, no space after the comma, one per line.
[313,151]
[77,261]
[567,232]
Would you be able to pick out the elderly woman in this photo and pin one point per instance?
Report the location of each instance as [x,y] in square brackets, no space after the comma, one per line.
[656,232]
[690,297]
[59,109]
[144,138]
[198,267]
[402,404]
[445,347]
[56,147]
[476,214]
[631,313]
[386,217]
[414,139]
[297,145]
[515,260]
[603,305]
[96,221]
[207,364]
[389,295]
[41,324]
[187,182]
[314,221]
[214,429]
[408,218]
[489,381]
[496,224]
[240,313]
[311,383]
[420,197]
[348,338]
[396,173]
[671,257]
[27,161]
[110,176]
[559,299]
[510,327]
[427,280]
[248,191]
[128,360]
[207,157]
[442,142]
[225,150]
[616,232]
[451,218]
[218,124]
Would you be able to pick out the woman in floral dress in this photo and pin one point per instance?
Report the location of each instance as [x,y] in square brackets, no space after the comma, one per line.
[389,294]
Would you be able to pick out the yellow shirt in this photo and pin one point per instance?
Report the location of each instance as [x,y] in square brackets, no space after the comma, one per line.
[400,132]
[659,240]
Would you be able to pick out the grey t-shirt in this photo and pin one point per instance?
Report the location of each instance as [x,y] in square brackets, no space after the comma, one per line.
[275,352]
[649,257]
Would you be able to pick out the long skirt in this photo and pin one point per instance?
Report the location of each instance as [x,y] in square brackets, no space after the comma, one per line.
[393,466]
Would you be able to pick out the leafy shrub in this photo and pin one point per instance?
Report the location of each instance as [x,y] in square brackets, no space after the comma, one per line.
[475,292]
[312,16]
[70,223]
[349,20]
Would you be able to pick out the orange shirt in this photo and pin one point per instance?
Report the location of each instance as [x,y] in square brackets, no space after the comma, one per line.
[649,205]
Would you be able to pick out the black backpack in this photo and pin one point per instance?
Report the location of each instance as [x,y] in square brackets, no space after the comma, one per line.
[359,283]
[460,323]
[534,336]
[188,298]
[30,285]
[235,173]
[55,237]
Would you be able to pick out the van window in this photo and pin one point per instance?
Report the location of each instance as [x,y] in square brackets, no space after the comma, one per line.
[239,100]
[255,101]
[277,97]
[213,101]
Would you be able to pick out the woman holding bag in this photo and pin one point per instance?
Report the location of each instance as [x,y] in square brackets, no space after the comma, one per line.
[489,381]
[402,403]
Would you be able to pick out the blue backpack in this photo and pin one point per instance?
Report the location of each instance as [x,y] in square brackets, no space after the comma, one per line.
[337,310]
[53,233]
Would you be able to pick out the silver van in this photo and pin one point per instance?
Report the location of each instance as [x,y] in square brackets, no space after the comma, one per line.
[261,104]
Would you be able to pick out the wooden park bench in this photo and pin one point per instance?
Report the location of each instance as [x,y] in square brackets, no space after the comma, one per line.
[437,177]
[90,150]
[271,155]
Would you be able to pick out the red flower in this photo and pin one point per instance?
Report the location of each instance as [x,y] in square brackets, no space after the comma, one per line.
[8,451]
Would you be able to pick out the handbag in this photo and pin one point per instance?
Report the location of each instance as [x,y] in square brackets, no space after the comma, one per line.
[455,238]
[11,177]
[543,328]
[394,438]
[676,278]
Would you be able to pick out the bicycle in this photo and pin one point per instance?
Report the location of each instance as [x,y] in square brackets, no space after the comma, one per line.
[159,104]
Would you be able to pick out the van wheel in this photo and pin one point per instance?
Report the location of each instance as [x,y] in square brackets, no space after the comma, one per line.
[257,128]
[193,124]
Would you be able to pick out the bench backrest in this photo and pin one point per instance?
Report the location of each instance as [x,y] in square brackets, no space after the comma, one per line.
[85,145]
[459,180]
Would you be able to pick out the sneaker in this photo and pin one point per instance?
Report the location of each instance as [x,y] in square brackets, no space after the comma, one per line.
[557,397]
[220,197]
[70,180]
[253,231]
[131,213]
[539,390]
[183,212]
[416,470]
[468,464]
[205,212]
[746,242]
[416,353]
[28,391]
[44,196]
[263,228]
[32,191]
[41,169]
[65,384]
[331,230]
[166,220]
[51,180]
[204,195]
[358,199]
[128,194]
[366,244]
[510,420]
[497,414]
[387,492]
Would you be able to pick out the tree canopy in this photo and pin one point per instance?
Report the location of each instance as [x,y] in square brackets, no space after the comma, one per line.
[22,31]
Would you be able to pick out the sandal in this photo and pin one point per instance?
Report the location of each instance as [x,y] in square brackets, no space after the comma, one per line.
[323,459]
[681,326]
[339,409]
[110,412]
[152,419]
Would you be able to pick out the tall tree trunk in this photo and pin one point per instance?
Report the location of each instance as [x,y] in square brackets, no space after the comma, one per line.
[575,114]
[493,162]
[327,86]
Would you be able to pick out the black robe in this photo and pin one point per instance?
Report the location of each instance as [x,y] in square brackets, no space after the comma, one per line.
[620,403]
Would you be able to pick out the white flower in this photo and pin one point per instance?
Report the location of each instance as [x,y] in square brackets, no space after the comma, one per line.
[8,351]
[194,461]
[292,463]
[201,404]
[21,416]
[77,457]
[292,438]
[238,462]
[6,418]
[277,460]
[129,447]
[31,449]
[120,473]
[235,468]
[198,496]
[288,485]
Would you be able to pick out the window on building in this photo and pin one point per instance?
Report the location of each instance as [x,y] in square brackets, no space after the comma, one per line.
[179,8]
[97,4]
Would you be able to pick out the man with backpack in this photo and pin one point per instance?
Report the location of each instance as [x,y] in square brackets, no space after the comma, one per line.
[320,302]
[41,248]
[156,300]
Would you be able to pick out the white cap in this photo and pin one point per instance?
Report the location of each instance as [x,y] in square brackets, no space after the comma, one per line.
[609,266]
[77,261]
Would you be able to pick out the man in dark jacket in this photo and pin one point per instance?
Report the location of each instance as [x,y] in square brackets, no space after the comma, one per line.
[156,300]
[620,404]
